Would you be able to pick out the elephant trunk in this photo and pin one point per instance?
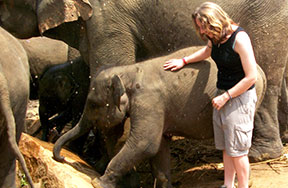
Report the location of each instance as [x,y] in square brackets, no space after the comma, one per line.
[80,129]
[11,127]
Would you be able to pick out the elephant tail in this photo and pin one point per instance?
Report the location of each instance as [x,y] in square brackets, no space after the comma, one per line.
[11,126]
[80,129]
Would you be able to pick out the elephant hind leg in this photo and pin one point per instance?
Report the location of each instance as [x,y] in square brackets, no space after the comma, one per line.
[9,178]
[7,163]
[9,120]
[160,165]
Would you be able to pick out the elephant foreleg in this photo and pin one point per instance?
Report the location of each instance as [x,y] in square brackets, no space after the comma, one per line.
[160,165]
[143,142]
[61,120]
[44,120]
[109,139]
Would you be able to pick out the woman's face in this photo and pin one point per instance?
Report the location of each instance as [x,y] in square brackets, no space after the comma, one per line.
[203,30]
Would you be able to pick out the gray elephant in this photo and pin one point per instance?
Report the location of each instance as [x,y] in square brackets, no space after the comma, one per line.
[126,31]
[63,91]
[160,104]
[14,89]
[43,53]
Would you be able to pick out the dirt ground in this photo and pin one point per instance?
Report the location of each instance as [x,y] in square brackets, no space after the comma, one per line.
[200,166]
[196,164]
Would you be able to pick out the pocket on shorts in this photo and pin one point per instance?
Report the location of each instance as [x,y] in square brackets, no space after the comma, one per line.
[243,137]
[248,102]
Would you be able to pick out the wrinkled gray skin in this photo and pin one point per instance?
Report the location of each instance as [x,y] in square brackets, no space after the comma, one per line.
[14,93]
[63,91]
[43,53]
[125,31]
[283,108]
[160,104]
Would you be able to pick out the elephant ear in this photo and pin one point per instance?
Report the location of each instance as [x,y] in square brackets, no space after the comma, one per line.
[118,90]
[52,13]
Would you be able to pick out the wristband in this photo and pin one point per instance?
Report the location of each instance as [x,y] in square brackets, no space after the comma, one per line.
[184,61]
[230,97]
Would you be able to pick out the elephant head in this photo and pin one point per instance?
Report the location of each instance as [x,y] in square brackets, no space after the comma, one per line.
[34,17]
[106,110]
[110,98]
[63,88]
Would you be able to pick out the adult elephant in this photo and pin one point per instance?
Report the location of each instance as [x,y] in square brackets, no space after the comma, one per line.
[43,53]
[14,93]
[160,104]
[125,31]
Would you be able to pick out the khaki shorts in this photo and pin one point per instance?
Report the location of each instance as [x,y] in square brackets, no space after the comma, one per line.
[233,124]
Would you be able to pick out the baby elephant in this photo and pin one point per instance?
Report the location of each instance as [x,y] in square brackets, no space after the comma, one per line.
[160,104]
[63,91]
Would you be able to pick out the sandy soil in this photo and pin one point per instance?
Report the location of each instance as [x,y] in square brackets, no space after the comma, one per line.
[196,164]
[202,167]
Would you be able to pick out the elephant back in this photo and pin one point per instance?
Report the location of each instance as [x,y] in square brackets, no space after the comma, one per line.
[14,66]
[43,52]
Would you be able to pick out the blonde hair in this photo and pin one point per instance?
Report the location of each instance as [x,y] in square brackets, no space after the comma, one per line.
[214,20]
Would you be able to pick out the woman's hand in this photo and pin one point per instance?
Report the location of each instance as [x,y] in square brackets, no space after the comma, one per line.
[173,64]
[219,101]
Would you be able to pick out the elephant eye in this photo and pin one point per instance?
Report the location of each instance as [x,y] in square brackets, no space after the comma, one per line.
[92,105]
[98,104]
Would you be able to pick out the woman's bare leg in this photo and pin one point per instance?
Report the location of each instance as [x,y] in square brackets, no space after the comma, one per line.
[229,170]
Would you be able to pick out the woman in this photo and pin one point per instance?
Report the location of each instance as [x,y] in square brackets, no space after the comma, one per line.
[234,106]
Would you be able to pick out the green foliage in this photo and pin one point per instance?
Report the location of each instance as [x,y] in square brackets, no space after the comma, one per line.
[23,181]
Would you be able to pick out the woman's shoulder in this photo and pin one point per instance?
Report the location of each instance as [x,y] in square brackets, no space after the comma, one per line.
[242,41]
[235,27]
[242,36]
